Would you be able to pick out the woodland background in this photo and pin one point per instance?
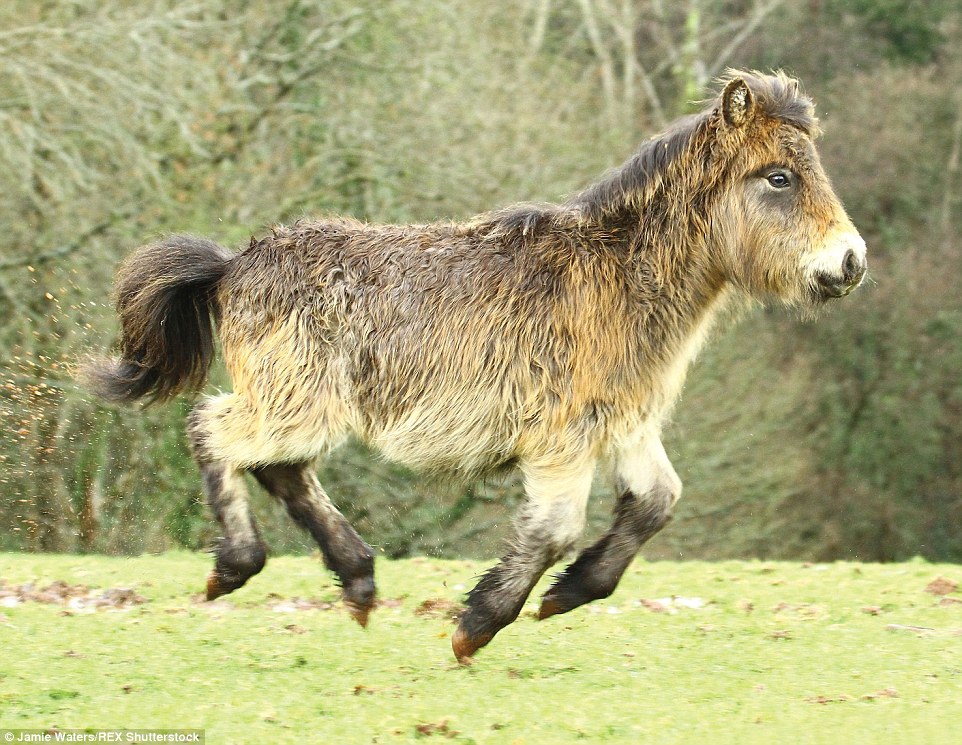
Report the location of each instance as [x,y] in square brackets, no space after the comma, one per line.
[123,121]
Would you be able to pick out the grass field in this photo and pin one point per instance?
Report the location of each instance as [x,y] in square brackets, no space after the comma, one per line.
[738,652]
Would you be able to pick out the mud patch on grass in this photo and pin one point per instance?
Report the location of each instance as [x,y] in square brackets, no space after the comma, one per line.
[942,586]
[439,608]
[74,598]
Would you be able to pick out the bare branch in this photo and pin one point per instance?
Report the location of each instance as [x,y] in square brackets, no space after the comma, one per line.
[542,12]
[72,247]
[951,178]
[605,62]
[762,9]
[626,30]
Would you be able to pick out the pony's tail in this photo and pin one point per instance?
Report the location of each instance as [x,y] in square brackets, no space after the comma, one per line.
[165,295]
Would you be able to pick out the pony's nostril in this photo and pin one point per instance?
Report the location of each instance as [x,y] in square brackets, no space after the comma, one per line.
[851,266]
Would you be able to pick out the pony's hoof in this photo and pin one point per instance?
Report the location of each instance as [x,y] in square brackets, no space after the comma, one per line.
[464,645]
[359,597]
[358,613]
[214,587]
[549,607]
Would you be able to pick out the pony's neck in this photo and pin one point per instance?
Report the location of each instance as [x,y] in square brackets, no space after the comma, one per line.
[673,274]
[655,206]
[677,299]
[655,210]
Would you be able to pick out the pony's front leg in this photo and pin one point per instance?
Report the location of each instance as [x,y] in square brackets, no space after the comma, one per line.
[649,489]
[550,521]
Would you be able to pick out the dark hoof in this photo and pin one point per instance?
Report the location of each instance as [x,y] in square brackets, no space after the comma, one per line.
[234,566]
[359,595]
[223,583]
[550,606]
[358,613]
[216,586]
[465,645]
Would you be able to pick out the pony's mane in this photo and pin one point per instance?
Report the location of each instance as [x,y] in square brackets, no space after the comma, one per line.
[622,185]
[777,97]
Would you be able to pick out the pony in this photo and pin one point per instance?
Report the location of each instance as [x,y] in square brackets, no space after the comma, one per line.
[545,337]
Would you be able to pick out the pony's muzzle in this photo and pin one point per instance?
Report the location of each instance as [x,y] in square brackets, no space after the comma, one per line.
[851,275]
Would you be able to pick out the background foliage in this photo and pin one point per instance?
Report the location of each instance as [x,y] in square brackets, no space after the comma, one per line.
[120,122]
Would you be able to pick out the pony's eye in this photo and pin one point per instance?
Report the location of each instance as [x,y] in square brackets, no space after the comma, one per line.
[779,179]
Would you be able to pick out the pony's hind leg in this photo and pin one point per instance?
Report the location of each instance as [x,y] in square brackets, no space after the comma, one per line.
[241,553]
[345,553]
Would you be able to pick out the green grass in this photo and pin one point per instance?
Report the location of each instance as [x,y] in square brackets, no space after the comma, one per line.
[779,653]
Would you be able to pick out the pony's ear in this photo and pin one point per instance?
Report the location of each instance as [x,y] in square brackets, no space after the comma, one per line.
[738,104]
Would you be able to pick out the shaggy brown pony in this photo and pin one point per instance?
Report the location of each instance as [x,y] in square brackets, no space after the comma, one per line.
[550,337]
